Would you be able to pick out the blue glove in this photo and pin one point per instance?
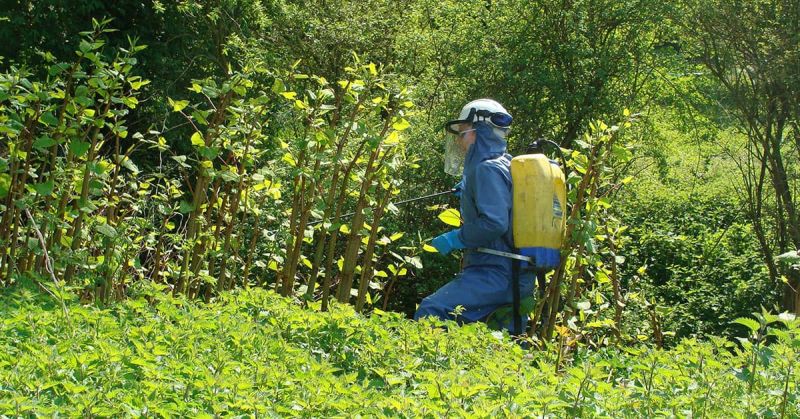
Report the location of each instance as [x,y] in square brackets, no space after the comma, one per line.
[458,188]
[447,242]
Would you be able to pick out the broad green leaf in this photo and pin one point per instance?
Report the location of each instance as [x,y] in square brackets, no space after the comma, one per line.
[57,68]
[289,159]
[178,105]
[429,248]
[128,164]
[106,230]
[197,139]
[48,118]
[130,102]
[79,147]
[602,277]
[45,189]
[306,262]
[749,323]
[400,124]
[185,207]
[451,217]
[392,139]
[43,143]
[415,262]
[527,304]
[278,86]
[138,83]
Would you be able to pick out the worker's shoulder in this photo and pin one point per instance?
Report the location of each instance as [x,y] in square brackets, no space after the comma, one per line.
[498,168]
[496,164]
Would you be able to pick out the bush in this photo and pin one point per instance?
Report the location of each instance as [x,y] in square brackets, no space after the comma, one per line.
[699,258]
[252,352]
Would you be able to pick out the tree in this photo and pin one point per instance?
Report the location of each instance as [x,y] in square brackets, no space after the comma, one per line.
[752,48]
[562,64]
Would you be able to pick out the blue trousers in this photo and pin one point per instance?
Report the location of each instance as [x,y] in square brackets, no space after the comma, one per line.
[479,291]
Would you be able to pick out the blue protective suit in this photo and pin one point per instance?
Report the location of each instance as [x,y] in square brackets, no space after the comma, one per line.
[485,283]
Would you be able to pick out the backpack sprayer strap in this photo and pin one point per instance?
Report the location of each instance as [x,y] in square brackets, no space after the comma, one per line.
[515,267]
[506,254]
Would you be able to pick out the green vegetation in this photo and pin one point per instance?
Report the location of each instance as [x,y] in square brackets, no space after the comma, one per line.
[171,164]
[253,352]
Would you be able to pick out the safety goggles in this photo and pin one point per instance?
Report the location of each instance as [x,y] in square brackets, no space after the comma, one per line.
[498,119]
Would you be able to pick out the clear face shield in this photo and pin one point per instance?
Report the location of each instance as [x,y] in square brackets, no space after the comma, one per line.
[454,156]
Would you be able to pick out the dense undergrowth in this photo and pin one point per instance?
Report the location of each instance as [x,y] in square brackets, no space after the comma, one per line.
[253,352]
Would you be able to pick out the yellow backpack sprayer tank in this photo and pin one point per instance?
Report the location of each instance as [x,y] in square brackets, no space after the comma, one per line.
[538,211]
[539,218]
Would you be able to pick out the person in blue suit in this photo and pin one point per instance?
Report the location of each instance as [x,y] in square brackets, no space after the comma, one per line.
[478,147]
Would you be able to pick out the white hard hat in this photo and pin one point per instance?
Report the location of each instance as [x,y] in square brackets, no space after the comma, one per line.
[481,110]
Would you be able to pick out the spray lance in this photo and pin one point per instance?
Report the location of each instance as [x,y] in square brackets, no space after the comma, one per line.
[433,195]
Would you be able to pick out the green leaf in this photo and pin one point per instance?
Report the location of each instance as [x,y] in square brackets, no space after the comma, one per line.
[136,85]
[197,139]
[48,118]
[43,143]
[451,217]
[106,230]
[209,153]
[415,262]
[58,68]
[228,176]
[401,124]
[178,105]
[181,160]
[44,189]
[278,86]
[79,147]
[84,46]
[527,304]
[128,164]
[288,158]
[786,317]
[749,323]
[186,207]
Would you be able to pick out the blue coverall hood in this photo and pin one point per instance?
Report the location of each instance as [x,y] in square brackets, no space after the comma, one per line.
[488,145]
